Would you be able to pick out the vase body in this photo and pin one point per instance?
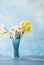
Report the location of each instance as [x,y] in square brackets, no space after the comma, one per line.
[15,44]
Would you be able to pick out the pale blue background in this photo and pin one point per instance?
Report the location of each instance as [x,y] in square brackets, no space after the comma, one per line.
[14,11]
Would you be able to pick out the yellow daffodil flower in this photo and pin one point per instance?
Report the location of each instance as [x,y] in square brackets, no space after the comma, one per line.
[27,29]
[13,29]
[25,22]
[10,33]
[25,25]
[3,33]
[19,28]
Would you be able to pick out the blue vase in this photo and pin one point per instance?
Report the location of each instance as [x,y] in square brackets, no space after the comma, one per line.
[16,43]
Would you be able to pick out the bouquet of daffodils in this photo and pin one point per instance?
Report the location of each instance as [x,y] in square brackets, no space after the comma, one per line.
[16,32]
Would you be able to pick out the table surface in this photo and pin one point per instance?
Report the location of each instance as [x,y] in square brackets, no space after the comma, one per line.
[29,60]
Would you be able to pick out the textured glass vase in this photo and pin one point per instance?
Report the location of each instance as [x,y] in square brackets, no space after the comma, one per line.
[15,43]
